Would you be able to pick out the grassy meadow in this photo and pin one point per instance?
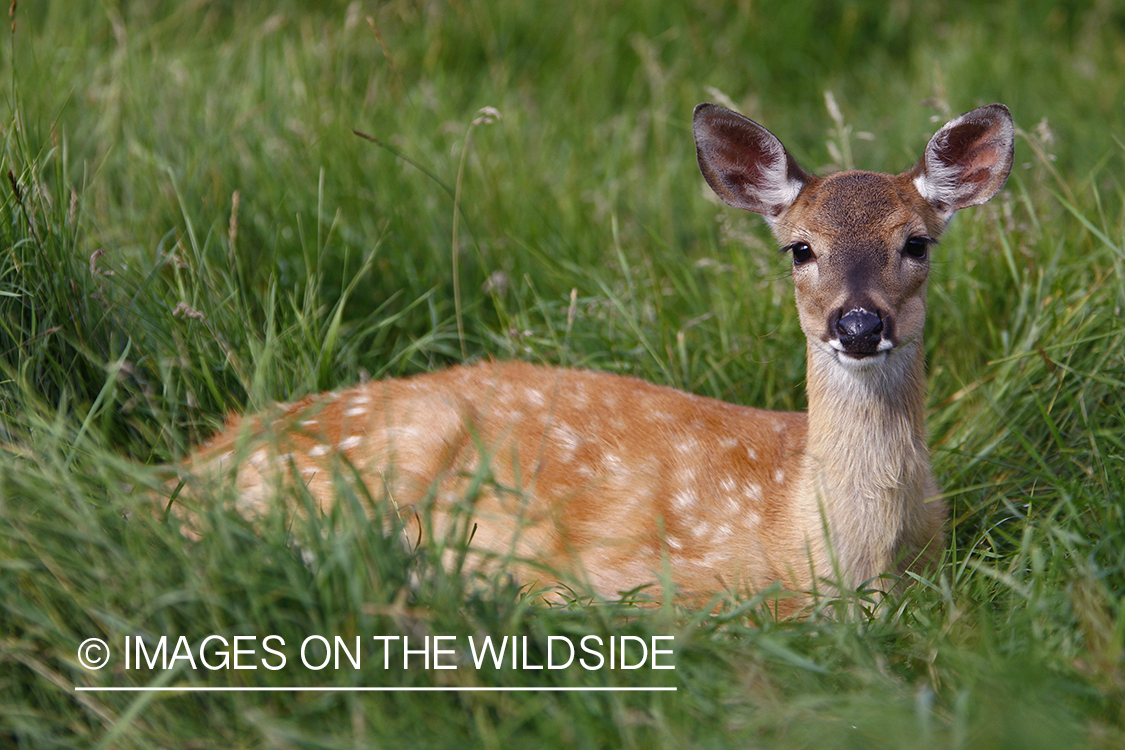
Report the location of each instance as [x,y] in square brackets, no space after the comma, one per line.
[191,226]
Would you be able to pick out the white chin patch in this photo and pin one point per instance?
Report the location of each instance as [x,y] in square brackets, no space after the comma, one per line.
[853,362]
[861,363]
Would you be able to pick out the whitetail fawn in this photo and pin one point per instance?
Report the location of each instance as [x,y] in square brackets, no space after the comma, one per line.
[615,483]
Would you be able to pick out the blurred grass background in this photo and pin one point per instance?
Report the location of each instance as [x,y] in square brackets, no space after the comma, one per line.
[190,227]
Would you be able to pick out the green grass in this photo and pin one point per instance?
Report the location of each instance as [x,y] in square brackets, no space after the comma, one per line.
[141,300]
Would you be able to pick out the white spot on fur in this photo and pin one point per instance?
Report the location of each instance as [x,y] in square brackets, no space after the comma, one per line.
[752,491]
[568,439]
[309,423]
[779,476]
[350,442]
[318,450]
[356,411]
[690,445]
[728,443]
[394,433]
[684,499]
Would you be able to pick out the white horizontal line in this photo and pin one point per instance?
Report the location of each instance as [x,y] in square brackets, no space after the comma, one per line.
[190,689]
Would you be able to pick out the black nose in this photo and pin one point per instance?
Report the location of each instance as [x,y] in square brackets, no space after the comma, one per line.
[860,331]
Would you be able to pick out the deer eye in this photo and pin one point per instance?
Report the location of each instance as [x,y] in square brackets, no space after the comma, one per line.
[917,247]
[802,253]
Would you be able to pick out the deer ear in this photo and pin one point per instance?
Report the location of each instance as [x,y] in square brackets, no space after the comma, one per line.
[744,163]
[968,160]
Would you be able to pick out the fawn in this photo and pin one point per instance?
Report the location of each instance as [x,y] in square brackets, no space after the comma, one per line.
[614,482]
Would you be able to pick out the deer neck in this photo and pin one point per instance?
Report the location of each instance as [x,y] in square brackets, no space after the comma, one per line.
[866,464]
